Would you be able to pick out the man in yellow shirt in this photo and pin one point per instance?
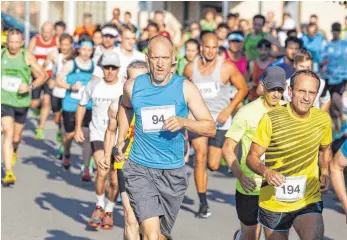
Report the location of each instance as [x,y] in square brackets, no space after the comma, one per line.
[291,138]
[242,130]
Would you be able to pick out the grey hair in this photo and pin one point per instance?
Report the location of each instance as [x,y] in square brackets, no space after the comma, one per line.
[137,64]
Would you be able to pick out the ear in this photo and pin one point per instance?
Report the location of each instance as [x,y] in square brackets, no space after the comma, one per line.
[290,92]
[147,58]
[173,59]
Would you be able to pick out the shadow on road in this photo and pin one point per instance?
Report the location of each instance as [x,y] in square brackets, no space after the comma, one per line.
[61,235]
[79,211]
[217,196]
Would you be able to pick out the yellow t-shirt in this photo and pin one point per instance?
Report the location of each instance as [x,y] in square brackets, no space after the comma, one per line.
[292,147]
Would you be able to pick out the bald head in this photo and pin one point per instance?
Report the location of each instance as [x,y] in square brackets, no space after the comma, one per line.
[161,41]
[209,46]
[47,31]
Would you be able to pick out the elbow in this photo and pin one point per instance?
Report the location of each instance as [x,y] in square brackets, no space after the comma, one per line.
[212,129]
[249,163]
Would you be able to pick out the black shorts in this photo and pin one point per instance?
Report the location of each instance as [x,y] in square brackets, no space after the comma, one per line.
[283,221]
[121,182]
[57,104]
[36,93]
[247,207]
[216,141]
[337,88]
[69,119]
[18,114]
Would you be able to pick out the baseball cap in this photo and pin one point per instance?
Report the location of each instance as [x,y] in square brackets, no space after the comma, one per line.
[336,27]
[274,77]
[235,37]
[110,59]
[109,31]
[165,33]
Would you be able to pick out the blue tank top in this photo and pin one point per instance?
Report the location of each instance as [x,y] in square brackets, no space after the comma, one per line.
[71,99]
[152,105]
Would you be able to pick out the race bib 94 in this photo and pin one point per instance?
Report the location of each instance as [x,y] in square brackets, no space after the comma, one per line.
[292,190]
[153,117]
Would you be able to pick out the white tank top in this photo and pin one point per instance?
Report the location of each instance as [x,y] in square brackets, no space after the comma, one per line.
[59,64]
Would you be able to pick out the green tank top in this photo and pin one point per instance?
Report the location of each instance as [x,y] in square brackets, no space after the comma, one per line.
[251,43]
[205,26]
[15,71]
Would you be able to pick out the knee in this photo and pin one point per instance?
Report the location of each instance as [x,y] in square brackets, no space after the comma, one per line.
[102,175]
[8,134]
[152,236]
[46,103]
[213,166]
[200,158]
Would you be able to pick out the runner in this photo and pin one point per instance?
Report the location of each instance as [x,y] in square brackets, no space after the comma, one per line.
[213,77]
[109,35]
[58,59]
[242,130]
[235,52]
[155,174]
[131,230]
[303,60]
[292,137]
[41,46]
[78,73]
[337,175]
[17,65]
[101,92]
[192,49]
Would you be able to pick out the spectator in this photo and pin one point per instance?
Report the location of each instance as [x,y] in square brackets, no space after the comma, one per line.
[222,34]
[313,41]
[235,54]
[292,46]
[209,22]
[87,27]
[97,37]
[260,64]
[59,28]
[192,49]
[193,32]
[232,22]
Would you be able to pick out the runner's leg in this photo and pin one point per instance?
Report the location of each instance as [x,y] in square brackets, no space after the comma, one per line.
[131,230]
[7,123]
[214,157]
[45,109]
[309,226]
[151,229]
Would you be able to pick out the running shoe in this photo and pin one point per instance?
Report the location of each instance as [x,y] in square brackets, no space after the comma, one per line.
[92,165]
[66,163]
[9,178]
[119,199]
[60,153]
[230,171]
[95,219]
[107,221]
[40,134]
[58,137]
[14,159]
[86,176]
[204,211]
[37,112]
[237,234]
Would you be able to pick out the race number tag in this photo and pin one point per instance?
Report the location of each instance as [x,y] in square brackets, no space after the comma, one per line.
[208,89]
[40,61]
[78,95]
[10,84]
[153,117]
[292,190]
[59,92]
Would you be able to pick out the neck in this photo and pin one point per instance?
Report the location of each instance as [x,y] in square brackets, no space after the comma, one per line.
[13,55]
[235,55]
[287,61]
[209,63]
[126,52]
[114,81]
[83,61]
[161,83]
[305,115]
[107,48]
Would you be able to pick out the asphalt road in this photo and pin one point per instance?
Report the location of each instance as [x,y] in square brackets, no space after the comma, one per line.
[48,202]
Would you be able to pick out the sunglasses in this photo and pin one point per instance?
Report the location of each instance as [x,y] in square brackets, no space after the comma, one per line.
[108,67]
[108,36]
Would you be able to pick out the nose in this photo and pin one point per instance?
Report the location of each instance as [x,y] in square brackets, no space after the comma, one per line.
[305,96]
[160,62]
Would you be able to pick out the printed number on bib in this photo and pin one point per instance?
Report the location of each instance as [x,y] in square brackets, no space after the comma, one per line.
[78,95]
[153,117]
[208,89]
[10,84]
[292,190]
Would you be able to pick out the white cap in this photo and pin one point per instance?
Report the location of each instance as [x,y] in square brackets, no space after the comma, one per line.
[109,31]
[110,58]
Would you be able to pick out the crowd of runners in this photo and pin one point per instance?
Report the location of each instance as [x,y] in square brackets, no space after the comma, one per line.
[267,100]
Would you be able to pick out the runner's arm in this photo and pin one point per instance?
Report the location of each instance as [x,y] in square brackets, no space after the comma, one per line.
[32,44]
[337,167]
[50,58]
[253,160]
[110,135]
[188,71]
[62,75]
[236,79]
[204,124]
[38,72]
[326,157]
[230,157]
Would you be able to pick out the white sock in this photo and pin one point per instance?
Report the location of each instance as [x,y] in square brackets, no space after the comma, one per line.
[238,236]
[109,206]
[100,200]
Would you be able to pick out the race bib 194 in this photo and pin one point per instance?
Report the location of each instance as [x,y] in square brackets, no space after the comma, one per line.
[153,117]
[292,190]
[10,84]
[78,95]
[208,89]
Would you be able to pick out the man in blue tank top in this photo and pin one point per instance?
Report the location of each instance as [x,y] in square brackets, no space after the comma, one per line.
[155,175]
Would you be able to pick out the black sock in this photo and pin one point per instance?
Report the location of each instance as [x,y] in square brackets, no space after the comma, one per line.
[15,146]
[203,199]
[67,155]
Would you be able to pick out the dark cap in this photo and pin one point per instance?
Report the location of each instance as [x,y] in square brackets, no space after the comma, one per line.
[274,77]
[336,27]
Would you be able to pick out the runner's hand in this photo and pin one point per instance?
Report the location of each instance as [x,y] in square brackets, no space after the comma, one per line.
[51,83]
[79,136]
[324,183]
[274,178]
[23,88]
[120,156]
[223,116]
[174,123]
[76,86]
[248,184]
[104,163]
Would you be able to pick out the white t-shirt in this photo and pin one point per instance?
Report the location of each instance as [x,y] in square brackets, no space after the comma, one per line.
[319,99]
[97,54]
[126,60]
[102,95]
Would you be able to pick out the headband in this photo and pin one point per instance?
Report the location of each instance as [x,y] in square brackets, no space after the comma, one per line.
[86,44]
